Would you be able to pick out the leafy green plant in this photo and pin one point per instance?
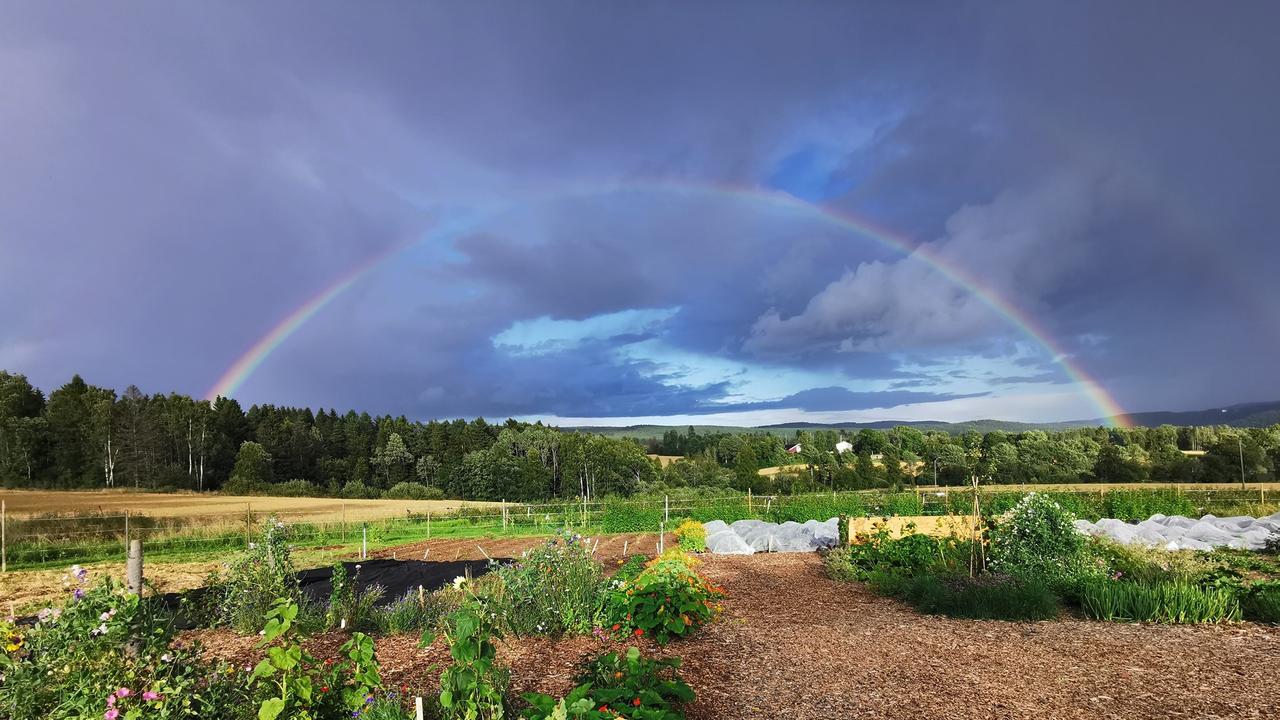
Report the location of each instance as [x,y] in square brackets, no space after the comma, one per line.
[295,685]
[1173,601]
[630,568]
[691,536]
[669,599]
[990,597]
[1260,601]
[880,551]
[619,686]
[557,587]
[255,579]
[473,687]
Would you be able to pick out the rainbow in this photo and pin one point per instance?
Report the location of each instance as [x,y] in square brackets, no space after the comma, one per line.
[1110,409]
[243,367]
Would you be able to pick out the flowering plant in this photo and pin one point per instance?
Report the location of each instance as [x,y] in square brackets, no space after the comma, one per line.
[619,686]
[667,600]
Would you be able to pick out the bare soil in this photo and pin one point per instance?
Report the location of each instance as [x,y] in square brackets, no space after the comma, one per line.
[794,644]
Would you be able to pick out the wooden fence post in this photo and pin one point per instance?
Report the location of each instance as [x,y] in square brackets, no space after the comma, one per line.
[748,501]
[126,532]
[4,541]
[666,508]
[248,524]
[133,571]
[428,522]
[344,522]
[417,708]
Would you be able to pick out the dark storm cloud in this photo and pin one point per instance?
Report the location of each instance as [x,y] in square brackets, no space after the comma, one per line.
[834,399]
[175,179]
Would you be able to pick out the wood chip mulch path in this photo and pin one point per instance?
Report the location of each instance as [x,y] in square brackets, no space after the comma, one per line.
[794,644]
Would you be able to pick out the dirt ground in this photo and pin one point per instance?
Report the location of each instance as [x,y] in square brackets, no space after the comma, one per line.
[795,644]
[26,590]
[20,503]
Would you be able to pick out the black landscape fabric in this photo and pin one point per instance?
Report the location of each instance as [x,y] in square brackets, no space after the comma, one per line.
[396,577]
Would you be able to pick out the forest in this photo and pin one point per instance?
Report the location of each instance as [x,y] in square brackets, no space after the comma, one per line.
[82,436]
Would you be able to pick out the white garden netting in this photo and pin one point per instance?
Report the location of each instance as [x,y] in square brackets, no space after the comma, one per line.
[745,537]
[1175,532]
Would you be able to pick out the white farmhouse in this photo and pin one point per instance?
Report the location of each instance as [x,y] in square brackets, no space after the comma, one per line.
[843,447]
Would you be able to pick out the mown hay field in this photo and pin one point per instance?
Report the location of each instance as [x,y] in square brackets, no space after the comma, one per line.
[28,503]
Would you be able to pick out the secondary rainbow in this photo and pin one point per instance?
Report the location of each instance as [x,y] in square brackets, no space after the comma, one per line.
[1110,409]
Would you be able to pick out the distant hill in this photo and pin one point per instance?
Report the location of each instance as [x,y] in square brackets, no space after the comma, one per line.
[1261,414]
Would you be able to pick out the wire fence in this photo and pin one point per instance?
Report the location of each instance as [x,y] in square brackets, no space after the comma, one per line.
[62,539]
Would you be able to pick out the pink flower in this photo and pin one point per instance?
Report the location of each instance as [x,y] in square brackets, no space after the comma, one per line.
[124,692]
[111,714]
[150,695]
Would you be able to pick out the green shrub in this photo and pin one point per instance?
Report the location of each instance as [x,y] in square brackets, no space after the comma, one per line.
[1035,540]
[557,587]
[691,536]
[294,488]
[881,552]
[618,686]
[1165,602]
[255,579]
[1260,602]
[667,600]
[413,491]
[356,490]
[987,597]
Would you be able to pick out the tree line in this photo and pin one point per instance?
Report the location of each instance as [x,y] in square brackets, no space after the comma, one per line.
[83,436]
[905,455]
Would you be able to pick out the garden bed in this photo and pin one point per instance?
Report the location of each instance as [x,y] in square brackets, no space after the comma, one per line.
[794,643]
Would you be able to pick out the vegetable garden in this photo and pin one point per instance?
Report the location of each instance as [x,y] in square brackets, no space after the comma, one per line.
[561,633]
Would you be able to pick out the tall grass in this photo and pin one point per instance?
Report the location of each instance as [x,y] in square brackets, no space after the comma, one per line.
[1173,601]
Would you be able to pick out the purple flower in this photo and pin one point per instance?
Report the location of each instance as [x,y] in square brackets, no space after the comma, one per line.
[79,593]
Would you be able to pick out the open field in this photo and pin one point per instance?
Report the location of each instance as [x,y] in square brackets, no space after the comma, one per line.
[21,503]
[665,460]
[794,643]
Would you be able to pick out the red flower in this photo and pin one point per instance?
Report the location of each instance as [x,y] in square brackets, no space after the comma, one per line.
[604,708]
[324,688]
[616,626]
[639,632]
[636,702]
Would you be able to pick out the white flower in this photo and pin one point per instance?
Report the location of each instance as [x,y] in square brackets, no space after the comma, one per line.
[459,581]
[100,630]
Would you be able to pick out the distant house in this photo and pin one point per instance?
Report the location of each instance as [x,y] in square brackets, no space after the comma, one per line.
[843,447]
[794,449]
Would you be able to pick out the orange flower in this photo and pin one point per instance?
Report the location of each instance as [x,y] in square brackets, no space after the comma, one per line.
[616,626]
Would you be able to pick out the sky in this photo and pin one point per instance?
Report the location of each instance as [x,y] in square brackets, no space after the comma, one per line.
[613,213]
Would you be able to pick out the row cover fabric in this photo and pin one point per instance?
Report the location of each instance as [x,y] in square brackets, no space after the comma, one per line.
[1175,532]
[745,537]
